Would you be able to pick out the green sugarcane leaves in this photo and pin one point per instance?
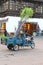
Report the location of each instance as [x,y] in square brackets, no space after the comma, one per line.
[26,13]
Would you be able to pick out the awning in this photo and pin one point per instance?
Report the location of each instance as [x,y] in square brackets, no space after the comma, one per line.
[3,20]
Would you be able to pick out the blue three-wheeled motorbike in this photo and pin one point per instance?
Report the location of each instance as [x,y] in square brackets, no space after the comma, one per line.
[20,40]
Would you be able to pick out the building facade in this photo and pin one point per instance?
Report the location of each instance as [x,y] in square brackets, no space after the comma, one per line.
[14,7]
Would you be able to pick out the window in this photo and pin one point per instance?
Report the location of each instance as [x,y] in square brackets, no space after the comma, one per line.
[39,9]
[12,5]
[4,6]
[0,8]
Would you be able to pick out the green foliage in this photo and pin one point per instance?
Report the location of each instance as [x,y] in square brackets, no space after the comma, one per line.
[3,37]
[26,13]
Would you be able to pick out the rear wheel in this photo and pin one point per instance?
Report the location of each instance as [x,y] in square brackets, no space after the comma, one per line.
[33,45]
[16,47]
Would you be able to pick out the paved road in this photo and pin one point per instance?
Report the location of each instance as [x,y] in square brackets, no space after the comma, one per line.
[25,56]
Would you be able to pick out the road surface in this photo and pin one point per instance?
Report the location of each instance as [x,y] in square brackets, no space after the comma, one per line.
[25,56]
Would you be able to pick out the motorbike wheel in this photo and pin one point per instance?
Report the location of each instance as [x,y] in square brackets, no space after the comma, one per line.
[33,45]
[10,46]
[16,48]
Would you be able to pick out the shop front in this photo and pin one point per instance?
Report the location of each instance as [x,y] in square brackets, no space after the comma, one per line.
[2,26]
[30,27]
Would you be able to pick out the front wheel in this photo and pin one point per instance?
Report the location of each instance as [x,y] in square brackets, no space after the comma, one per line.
[33,45]
[16,48]
[10,46]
